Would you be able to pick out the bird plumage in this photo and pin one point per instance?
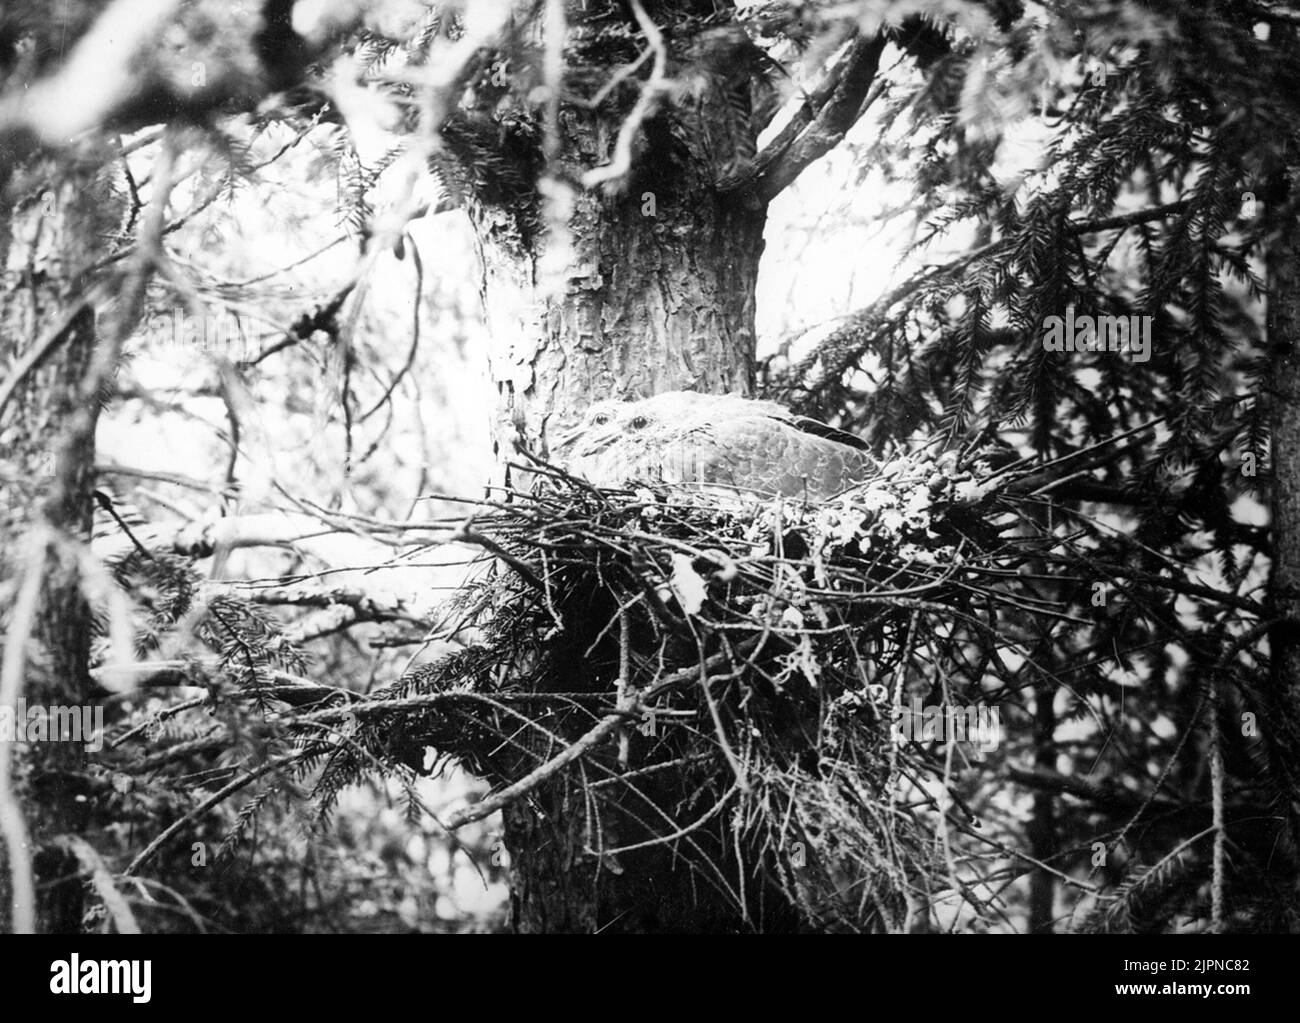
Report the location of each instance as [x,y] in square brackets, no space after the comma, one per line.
[723,441]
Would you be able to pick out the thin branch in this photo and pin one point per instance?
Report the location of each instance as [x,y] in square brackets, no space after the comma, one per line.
[654,87]
[102,881]
[243,781]
[57,332]
[1216,795]
[822,122]
[11,680]
[99,78]
[607,726]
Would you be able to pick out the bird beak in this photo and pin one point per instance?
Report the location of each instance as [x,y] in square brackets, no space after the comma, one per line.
[567,439]
[591,442]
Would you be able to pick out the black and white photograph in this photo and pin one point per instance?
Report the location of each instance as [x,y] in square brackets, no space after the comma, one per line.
[662,467]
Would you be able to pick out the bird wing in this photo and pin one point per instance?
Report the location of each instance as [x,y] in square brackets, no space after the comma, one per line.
[779,455]
[701,439]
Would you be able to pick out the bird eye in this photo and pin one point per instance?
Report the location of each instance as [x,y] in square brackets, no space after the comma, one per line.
[600,418]
[640,422]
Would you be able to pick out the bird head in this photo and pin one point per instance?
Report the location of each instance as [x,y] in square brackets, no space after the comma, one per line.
[606,423]
[603,446]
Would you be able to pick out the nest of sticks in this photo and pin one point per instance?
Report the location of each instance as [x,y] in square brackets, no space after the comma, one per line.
[711,680]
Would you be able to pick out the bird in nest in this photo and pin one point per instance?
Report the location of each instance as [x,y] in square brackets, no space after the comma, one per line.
[722,444]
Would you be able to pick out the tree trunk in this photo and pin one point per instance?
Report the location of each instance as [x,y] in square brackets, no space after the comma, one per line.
[590,294]
[658,295]
[47,441]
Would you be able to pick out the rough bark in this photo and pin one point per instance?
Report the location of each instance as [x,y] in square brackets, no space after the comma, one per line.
[650,302]
[654,292]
